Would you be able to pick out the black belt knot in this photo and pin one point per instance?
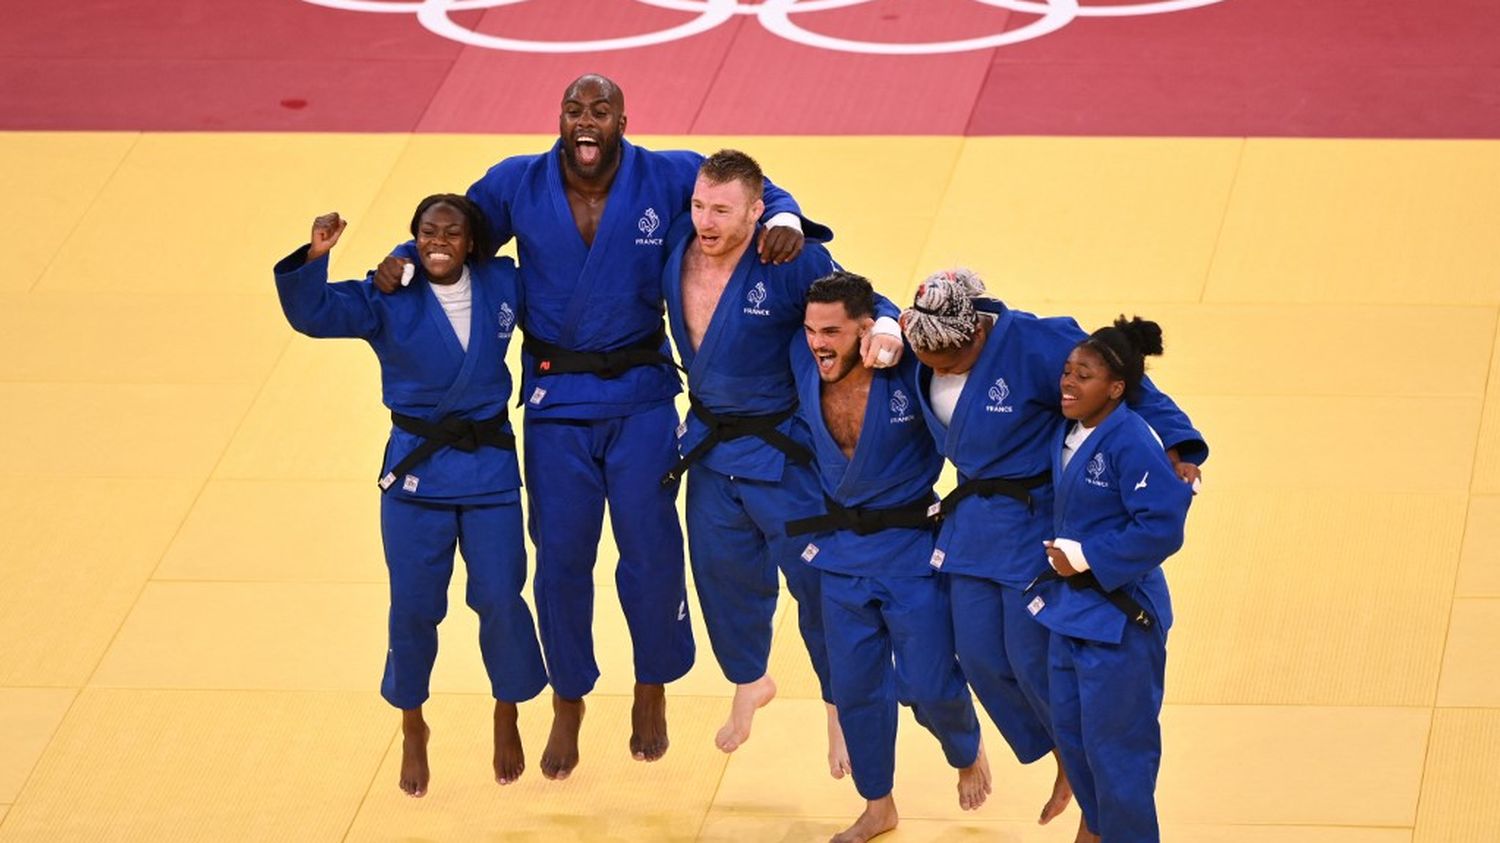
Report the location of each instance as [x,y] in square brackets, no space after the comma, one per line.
[467,435]
[864,521]
[723,428]
[550,359]
[1017,489]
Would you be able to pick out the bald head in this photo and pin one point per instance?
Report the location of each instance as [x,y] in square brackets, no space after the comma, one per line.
[591,127]
[592,86]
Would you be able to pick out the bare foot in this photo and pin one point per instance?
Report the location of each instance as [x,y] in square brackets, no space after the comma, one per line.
[510,758]
[1062,794]
[561,754]
[648,722]
[1084,835]
[878,818]
[414,735]
[838,751]
[747,698]
[974,783]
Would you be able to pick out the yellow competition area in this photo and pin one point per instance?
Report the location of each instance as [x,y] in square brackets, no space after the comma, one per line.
[192,592]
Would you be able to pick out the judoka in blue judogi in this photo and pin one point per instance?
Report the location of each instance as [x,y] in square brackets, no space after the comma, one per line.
[1119,513]
[748,465]
[590,219]
[449,477]
[885,610]
[989,392]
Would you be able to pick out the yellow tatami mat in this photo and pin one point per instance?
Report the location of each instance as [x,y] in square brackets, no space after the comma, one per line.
[1479,566]
[1276,603]
[1406,222]
[78,552]
[60,176]
[28,717]
[1458,793]
[193,598]
[1487,460]
[1081,219]
[204,765]
[1469,674]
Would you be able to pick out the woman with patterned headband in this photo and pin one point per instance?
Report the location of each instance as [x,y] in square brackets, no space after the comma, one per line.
[989,391]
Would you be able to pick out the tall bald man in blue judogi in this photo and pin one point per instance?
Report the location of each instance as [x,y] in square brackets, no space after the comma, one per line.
[748,470]
[590,218]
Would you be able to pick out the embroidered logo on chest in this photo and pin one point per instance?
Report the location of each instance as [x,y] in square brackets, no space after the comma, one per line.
[648,224]
[1095,471]
[757,297]
[999,391]
[899,405]
[507,319]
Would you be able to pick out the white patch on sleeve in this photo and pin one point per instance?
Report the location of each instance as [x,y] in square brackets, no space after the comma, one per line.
[410,483]
[809,552]
[937,559]
[1036,605]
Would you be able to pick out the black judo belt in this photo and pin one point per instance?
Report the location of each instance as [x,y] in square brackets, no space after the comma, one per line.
[466,435]
[1017,489]
[1134,611]
[549,359]
[863,522]
[722,428]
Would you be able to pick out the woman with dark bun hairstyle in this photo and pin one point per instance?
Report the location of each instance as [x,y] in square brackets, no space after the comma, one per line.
[1118,514]
[988,387]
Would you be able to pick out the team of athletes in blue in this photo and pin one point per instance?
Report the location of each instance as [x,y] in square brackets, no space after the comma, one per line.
[820,417]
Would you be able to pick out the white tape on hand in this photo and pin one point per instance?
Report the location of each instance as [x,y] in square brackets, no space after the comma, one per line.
[885,357]
[408,272]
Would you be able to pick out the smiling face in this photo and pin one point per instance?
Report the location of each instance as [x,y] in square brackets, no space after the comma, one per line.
[1089,390]
[591,126]
[443,242]
[724,215]
[834,336]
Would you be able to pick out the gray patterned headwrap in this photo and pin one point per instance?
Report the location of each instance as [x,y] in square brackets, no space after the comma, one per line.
[942,316]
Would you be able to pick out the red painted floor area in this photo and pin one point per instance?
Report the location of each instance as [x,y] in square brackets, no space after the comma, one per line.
[1330,68]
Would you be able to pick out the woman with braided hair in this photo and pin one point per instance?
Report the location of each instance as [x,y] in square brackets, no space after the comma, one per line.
[989,391]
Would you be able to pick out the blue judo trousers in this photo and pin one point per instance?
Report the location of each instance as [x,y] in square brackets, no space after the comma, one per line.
[604,437]
[885,611]
[453,499]
[991,545]
[742,490]
[1119,498]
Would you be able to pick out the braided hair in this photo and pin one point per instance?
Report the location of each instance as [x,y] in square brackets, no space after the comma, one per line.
[942,316]
[1124,347]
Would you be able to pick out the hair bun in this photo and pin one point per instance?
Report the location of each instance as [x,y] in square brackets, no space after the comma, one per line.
[1143,334]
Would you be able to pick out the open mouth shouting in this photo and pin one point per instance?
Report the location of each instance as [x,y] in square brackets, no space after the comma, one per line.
[586,149]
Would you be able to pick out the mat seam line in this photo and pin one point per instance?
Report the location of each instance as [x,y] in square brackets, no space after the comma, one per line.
[1213,255]
[374,777]
[115,171]
[1453,597]
[692,126]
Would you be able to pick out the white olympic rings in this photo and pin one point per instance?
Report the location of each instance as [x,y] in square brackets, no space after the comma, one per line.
[775,15]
